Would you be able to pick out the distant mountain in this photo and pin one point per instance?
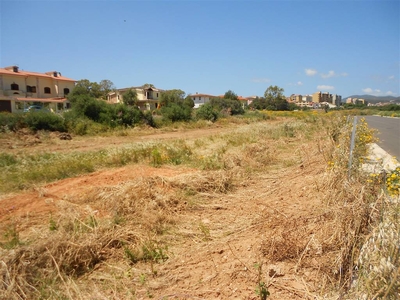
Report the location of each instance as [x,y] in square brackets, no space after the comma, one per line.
[374,99]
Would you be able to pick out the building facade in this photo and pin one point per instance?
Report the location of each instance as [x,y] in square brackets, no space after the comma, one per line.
[148,96]
[21,89]
[200,99]
[336,100]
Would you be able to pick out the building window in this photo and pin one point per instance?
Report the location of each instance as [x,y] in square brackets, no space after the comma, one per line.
[30,89]
[66,91]
[47,90]
[199,98]
[14,86]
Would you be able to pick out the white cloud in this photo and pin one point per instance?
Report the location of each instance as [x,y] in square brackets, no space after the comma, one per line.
[329,75]
[299,83]
[332,73]
[325,87]
[310,72]
[261,80]
[391,77]
[389,93]
[371,91]
[368,90]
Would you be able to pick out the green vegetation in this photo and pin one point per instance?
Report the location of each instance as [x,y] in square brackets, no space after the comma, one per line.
[90,114]
[207,112]
[273,100]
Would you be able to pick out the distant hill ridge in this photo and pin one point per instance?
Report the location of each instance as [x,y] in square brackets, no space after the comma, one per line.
[374,99]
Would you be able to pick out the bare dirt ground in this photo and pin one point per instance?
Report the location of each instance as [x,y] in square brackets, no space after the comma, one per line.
[217,246]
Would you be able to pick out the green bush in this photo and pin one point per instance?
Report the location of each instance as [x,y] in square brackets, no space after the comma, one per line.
[206,112]
[45,121]
[11,121]
[148,119]
[123,115]
[227,106]
[174,112]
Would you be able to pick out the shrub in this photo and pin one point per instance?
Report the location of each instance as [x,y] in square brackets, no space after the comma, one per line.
[10,121]
[45,121]
[174,112]
[229,106]
[206,112]
[148,119]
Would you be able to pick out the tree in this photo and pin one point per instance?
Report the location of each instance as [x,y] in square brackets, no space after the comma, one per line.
[172,96]
[259,103]
[230,95]
[86,87]
[275,100]
[227,106]
[148,85]
[130,97]
[188,102]
[106,86]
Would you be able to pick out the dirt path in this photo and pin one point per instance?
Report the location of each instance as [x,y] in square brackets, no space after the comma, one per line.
[50,142]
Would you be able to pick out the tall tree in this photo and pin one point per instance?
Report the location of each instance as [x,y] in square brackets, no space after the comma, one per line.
[106,86]
[275,100]
[172,96]
[230,95]
[188,101]
[86,87]
[130,97]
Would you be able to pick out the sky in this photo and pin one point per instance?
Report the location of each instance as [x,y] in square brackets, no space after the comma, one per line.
[342,47]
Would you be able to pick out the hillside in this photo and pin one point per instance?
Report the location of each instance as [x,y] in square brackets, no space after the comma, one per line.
[374,99]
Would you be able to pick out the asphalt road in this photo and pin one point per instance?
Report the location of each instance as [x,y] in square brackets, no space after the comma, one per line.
[388,133]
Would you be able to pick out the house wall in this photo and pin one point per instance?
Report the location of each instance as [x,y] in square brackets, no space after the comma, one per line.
[143,102]
[10,79]
[56,86]
[27,98]
[200,100]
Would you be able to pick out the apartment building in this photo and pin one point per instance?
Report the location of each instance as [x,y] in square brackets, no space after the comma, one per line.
[20,89]
[336,100]
[316,97]
[320,97]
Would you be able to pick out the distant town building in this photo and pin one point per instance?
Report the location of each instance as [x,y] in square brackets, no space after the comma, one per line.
[355,101]
[316,97]
[306,98]
[336,100]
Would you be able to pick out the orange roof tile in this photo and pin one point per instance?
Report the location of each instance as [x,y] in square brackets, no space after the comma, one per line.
[56,100]
[201,95]
[26,73]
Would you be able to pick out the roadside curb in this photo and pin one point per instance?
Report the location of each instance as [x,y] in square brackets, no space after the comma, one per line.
[379,160]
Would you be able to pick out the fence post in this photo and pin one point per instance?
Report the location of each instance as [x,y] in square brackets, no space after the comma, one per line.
[353,137]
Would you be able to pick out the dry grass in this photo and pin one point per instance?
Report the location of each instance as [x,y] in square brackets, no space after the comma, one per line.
[89,250]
